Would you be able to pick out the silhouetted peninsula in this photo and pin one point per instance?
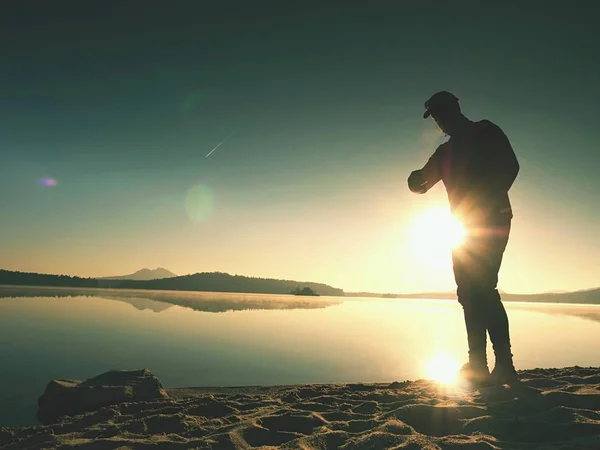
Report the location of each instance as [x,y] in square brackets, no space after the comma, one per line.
[223,282]
[207,281]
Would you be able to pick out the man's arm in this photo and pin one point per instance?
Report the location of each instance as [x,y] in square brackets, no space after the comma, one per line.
[420,181]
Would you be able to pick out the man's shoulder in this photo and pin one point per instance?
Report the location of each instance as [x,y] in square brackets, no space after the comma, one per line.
[486,125]
[489,129]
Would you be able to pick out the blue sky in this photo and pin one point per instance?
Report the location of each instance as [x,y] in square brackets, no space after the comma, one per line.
[120,106]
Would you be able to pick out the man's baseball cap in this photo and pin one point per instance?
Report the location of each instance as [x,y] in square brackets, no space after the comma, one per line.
[439,101]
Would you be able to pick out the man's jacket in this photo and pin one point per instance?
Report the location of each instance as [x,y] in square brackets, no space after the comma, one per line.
[478,167]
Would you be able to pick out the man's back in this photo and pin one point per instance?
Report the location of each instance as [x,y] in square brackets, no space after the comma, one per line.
[477,166]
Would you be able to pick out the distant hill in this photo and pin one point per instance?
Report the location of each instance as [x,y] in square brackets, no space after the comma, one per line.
[224,282]
[144,275]
[212,282]
[587,296]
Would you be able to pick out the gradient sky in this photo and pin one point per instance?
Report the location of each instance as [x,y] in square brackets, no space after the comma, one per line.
[108,110]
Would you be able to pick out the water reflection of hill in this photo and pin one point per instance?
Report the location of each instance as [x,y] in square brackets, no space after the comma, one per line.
[199,301]
[141,303]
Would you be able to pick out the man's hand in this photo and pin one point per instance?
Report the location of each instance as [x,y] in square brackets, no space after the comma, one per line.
[417,182]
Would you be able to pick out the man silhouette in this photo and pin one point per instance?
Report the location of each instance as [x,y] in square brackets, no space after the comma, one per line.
[477,166]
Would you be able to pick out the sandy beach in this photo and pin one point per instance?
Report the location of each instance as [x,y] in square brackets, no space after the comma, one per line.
[551,409]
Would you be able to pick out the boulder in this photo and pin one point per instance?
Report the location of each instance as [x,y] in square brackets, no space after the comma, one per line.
[70,397]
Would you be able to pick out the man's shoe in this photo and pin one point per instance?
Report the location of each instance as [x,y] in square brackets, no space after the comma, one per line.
[503,374]
[504,370]
[474,374]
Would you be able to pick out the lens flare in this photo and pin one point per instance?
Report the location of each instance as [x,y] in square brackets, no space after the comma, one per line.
[191,102]
[48,182]
[199,203]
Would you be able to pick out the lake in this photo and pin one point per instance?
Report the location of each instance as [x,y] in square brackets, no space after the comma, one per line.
[223,339]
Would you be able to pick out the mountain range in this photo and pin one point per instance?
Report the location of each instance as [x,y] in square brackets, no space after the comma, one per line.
[224,282]
[206,281]
[144,275]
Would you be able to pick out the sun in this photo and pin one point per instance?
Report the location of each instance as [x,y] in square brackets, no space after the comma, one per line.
[442,368]
[436,232]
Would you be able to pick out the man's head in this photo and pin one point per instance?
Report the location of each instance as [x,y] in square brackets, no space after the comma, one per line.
[445,110]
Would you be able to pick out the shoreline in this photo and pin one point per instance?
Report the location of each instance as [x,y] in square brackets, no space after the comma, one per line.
[537,299]
[552,408]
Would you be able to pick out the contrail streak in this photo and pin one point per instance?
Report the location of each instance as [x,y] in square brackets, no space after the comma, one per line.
[219,144]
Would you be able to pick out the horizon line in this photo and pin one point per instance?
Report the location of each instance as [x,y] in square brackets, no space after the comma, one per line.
[381,294]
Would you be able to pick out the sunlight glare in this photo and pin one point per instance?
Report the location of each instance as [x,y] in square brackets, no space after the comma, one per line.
[436,232]
[442,368]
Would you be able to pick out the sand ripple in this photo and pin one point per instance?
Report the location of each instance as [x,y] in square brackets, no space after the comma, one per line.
[552,409]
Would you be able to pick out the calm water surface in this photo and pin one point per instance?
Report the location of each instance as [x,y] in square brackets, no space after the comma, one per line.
[204,339]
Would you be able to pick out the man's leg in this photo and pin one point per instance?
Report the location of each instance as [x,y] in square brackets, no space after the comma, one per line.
[494,245]
[475,315]
[498,328]
[475,323]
